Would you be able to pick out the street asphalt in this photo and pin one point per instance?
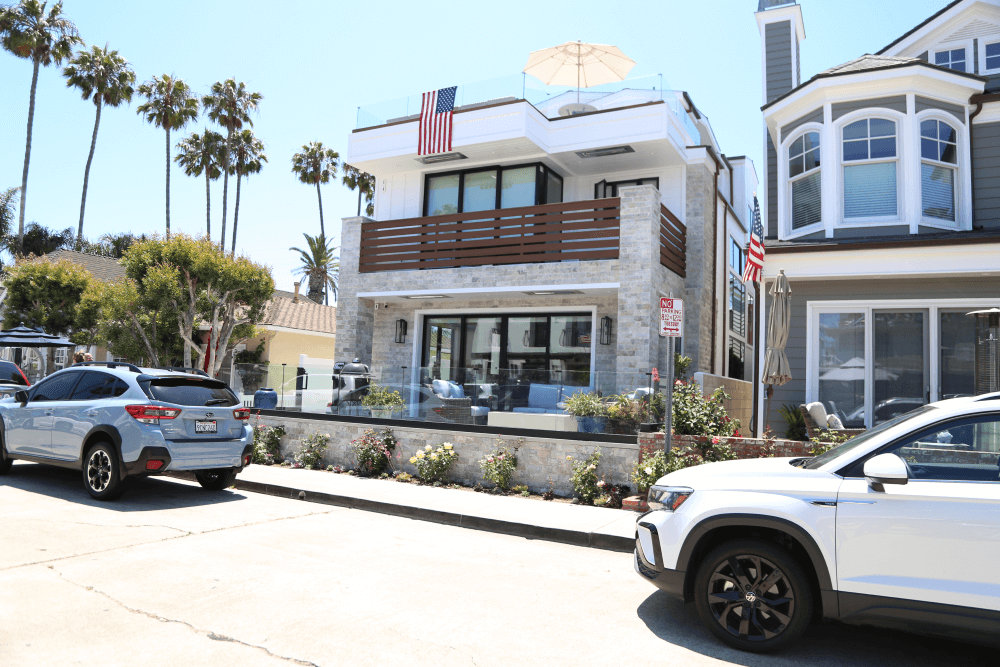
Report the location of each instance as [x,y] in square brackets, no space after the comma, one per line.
[174,575]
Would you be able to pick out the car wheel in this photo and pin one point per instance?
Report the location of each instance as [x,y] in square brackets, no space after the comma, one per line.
[101,472]
[216,480]
[5,461]
[753,595]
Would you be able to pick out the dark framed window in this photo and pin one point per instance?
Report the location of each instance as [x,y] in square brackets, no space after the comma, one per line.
[737,359]
[737,260]
[737,306]
[491,188]
[54,388]
[606,189]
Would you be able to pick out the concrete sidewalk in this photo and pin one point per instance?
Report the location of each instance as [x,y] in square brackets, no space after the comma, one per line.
[581,525]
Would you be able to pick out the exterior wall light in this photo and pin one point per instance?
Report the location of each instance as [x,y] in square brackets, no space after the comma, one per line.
[400,331]
[605,330]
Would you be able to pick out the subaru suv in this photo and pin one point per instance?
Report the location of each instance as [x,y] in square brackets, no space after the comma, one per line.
[898,527]
[114,421]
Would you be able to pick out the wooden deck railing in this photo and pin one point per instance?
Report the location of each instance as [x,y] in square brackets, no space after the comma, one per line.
[584,230]
[673,242]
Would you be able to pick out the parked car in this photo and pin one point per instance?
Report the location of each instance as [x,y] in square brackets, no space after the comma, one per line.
[887,409]
[115,421]
[12,378]
[899,527]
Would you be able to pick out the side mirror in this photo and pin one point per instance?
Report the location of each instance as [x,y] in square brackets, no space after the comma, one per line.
[886,469]
[21,397]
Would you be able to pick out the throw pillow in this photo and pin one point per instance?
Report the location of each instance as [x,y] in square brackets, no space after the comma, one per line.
[833,422]
[818,413]
[457,390]
[442,388]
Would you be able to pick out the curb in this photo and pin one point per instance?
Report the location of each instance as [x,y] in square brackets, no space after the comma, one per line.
[575,537]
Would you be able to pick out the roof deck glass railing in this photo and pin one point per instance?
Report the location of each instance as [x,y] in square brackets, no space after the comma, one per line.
[552,101]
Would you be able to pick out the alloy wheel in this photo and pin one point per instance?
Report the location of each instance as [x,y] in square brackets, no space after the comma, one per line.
[99,470]
[751,598]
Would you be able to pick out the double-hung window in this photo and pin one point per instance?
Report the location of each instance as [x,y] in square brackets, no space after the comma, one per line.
[939,157]
[870,164]
[805,178]
[993,56]
[952,59]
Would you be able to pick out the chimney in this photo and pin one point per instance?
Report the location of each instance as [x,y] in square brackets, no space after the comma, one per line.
[296,299]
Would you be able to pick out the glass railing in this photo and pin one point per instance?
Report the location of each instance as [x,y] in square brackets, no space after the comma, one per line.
[552,101]
[517,397]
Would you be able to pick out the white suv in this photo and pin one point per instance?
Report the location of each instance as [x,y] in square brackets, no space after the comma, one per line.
[898,527]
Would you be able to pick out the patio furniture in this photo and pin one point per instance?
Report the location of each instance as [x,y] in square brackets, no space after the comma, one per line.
[813,429]
[547,398]
[541,422]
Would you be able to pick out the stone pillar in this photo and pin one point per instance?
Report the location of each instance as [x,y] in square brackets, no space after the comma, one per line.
[638,299]
[355,317]
[698,295]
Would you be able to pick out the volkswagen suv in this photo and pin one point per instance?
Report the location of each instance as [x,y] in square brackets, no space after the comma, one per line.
[897,527]
[113,421]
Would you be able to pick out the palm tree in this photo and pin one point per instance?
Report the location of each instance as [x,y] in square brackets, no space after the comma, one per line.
[229,104]
[247,158]
[315,164]
[320,266]
[28,31]
[365,184]
[169,105]
[107,78]
[202,153]
[40,240]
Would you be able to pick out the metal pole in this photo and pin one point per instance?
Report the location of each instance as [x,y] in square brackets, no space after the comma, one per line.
[283,386]
[668,404]
[402,383]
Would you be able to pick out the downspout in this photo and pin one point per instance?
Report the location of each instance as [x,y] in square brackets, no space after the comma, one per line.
[978,101]
[715,261]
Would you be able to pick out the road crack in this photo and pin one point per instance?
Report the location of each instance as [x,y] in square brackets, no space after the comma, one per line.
[215,636]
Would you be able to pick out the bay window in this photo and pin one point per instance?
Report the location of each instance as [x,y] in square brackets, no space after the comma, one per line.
[870,165]
[939,157]
[806,180]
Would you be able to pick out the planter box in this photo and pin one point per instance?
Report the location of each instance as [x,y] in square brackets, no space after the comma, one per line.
[744,448]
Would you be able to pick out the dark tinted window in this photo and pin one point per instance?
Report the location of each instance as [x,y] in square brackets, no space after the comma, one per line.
[185,391]
[91,386]
[11,374]
[57,388]
[115,389]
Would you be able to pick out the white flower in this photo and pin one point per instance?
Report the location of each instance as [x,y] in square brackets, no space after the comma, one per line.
[649,471]
[427,448]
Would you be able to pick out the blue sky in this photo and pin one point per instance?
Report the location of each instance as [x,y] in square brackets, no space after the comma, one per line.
[316,62]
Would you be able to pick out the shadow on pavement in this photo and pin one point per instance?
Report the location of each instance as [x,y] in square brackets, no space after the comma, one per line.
[823,644]
[142,494]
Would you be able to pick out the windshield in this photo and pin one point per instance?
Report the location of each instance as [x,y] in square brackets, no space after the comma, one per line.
[843,448]
[189,391]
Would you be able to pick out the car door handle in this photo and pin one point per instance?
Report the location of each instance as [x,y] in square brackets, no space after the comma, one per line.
[49,413]
[824,503]
[856,502]
[92,413]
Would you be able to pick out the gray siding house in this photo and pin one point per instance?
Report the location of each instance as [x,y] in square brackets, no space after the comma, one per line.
[883,210]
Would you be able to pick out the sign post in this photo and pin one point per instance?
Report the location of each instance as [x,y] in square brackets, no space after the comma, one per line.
[671,326]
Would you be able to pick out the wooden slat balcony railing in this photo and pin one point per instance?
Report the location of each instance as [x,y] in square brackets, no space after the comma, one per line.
[584,230]
[673,242]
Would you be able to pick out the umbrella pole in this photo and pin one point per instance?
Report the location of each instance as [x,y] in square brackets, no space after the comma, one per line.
[767,410]
[579,63]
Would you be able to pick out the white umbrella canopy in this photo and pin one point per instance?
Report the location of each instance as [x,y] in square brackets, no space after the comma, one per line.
[579,63]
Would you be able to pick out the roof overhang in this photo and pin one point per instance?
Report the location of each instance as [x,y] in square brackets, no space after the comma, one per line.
[442,298]
[940,20]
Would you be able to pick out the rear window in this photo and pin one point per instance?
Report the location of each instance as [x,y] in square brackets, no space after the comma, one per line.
[11,374]
[189,391]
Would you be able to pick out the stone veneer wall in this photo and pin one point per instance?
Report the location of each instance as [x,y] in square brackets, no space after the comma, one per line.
[701,203]
[739,405]
[744,448]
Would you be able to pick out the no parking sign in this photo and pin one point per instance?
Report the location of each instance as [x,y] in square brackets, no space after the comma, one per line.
[671,318]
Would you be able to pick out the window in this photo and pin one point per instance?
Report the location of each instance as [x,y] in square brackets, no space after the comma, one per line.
[870,169]
[606,189]
[737,260]
[737,306]
[804,175]
[737,359]
[952,59]
[939,155]
[91,386]
[492,188]
[961,451]
[56,388]
[993,56]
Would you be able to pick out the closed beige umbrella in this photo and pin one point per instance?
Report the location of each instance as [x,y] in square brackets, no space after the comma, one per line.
[580,63]
[776,370]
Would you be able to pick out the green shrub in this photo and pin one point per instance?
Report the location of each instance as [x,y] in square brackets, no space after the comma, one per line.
[584,477]
[653,466]
[626,413]
[373,451]
[681,366]
[499,466]
[586,404]
[696,414]
[379,396]
[825,441]
[796,422]
[520,488]
[267,443]
[433,464]
[310,454]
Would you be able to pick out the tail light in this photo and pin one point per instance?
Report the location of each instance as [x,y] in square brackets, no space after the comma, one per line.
[241,413]
[246,460]
[151,414]
[26,383]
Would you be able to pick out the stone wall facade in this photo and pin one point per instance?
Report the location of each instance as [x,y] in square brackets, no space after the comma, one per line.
[739,405]
[744,448]
[701,242]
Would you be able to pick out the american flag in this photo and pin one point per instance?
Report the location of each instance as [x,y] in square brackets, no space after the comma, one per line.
[435,121]
[755,253]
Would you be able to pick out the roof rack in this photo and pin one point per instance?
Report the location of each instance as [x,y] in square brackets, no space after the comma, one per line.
[994,396]
[109,364]
[182,369]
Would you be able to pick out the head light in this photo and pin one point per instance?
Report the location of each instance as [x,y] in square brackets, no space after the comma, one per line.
[667,497]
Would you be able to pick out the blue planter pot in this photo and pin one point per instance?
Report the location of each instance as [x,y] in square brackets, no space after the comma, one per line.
[265,399]
[591,424]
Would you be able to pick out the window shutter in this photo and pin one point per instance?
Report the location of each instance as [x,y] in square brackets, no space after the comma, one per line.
[938,187]
[870,190]
[806,200]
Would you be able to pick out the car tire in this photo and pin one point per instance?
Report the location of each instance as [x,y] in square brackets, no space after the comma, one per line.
[102,472]
[5,461]
[733,604]
[216,480]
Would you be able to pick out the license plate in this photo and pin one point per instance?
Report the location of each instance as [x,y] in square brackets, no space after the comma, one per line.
[205,427]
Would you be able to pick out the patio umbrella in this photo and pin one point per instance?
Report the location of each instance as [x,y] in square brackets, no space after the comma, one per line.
[579,63]
[776,370]
[23,336]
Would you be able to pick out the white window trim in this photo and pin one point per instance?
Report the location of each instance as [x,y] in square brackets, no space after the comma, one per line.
[785,200]
[962,171]
[933,306]
[983,41]
[903,129]
[970,66]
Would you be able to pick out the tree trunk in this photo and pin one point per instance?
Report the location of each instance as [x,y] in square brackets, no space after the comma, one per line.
[315,289]
[236,210]
[225,188]
[27,157]
[86,172]
[168,183]
[322,231]
[208,209]
[359,200]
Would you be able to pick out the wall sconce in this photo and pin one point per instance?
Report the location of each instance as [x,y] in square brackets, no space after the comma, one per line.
[605,330]
[400,331]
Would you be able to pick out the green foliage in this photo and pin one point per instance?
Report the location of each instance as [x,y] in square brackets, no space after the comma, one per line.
[250,356]
[681,366]
[320,266]
[825,441]
[364,183]
[653,466]
[586,404]
[46,294]
[27,31]
[169,104]
[584,477]
[8,198]
[520,488]
[310,454]
[498,467]
[433,463]
[796,422]
[315,164]
[379,396]
[40,240]
[267,443]
[373,451]
[695,414]
[626,413]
